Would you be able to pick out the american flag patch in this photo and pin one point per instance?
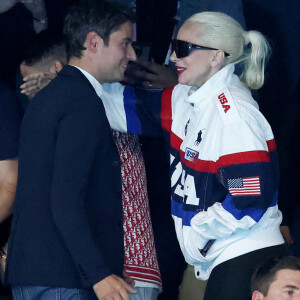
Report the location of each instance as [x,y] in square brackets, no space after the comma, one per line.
[248,186]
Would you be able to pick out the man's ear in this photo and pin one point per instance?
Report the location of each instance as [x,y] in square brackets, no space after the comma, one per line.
[56,67]
[218,58]
[93,41]
[257,296]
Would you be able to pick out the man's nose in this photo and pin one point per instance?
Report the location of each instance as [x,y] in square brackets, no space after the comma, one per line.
[131,53]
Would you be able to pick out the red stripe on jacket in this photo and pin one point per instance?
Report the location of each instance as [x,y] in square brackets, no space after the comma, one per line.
[166,109]
[225,160]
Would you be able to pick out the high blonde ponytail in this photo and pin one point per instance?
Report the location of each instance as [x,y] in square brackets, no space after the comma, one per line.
[254,59]
[249,48]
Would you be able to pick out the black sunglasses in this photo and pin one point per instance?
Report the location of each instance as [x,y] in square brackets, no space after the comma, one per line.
[183,49]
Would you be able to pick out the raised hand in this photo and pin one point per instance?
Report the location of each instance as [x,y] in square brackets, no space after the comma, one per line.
[150,75]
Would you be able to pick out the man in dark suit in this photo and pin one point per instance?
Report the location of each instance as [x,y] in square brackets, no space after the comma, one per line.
[67,236]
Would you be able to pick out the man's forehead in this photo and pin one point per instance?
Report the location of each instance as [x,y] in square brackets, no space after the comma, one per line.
[288,273]
[289,277]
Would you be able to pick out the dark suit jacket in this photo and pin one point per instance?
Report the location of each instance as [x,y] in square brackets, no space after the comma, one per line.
[67,223]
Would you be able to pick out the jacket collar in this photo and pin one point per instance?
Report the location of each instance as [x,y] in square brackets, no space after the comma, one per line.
[209,87]
[78,72]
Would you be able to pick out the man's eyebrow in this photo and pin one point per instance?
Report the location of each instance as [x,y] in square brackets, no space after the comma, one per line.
[294,287]
[127,39]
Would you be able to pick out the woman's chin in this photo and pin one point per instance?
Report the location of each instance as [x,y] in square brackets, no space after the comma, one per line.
[182,80]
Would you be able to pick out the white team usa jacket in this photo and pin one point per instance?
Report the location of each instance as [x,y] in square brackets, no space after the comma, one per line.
[223,164]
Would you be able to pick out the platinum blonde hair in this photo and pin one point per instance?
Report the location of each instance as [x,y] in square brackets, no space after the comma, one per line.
[247,47]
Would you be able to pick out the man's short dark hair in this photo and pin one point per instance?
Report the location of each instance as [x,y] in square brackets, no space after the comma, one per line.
[92,15]
[45,48]
[266,273]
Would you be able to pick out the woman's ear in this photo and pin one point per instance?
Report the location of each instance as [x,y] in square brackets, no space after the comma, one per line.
[218,58]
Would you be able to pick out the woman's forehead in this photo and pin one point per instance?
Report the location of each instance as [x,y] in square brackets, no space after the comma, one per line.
[190,32]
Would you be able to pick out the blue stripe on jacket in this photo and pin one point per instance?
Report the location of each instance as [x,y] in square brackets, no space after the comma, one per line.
[133,122]
[252,212]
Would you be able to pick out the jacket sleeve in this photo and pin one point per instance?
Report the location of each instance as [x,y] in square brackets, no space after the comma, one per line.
[134,110]
[248,169]
[250,177]
[80,131]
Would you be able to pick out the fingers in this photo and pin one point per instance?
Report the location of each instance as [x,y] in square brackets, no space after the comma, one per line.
[113,288]
[128,81]
[152,85]
[35,82]
[115,297]
[124,295]
[151,66]
[129,288]
[30,85]
[151,75]
[285,231]
[49,76]
[125,285]
[29,89]
[32,76]
[146,64]
[128,279]
[140,73]
[42,82]
[45,79]
[289,240]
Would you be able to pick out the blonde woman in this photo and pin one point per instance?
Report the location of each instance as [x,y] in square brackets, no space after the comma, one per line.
[224,171]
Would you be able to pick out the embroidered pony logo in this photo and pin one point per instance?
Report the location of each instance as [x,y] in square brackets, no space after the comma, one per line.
[186,127]
[199,138]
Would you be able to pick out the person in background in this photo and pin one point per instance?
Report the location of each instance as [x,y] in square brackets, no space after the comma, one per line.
[289,189]
[277,279]
[45,57]
[10,122]
[19,23]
